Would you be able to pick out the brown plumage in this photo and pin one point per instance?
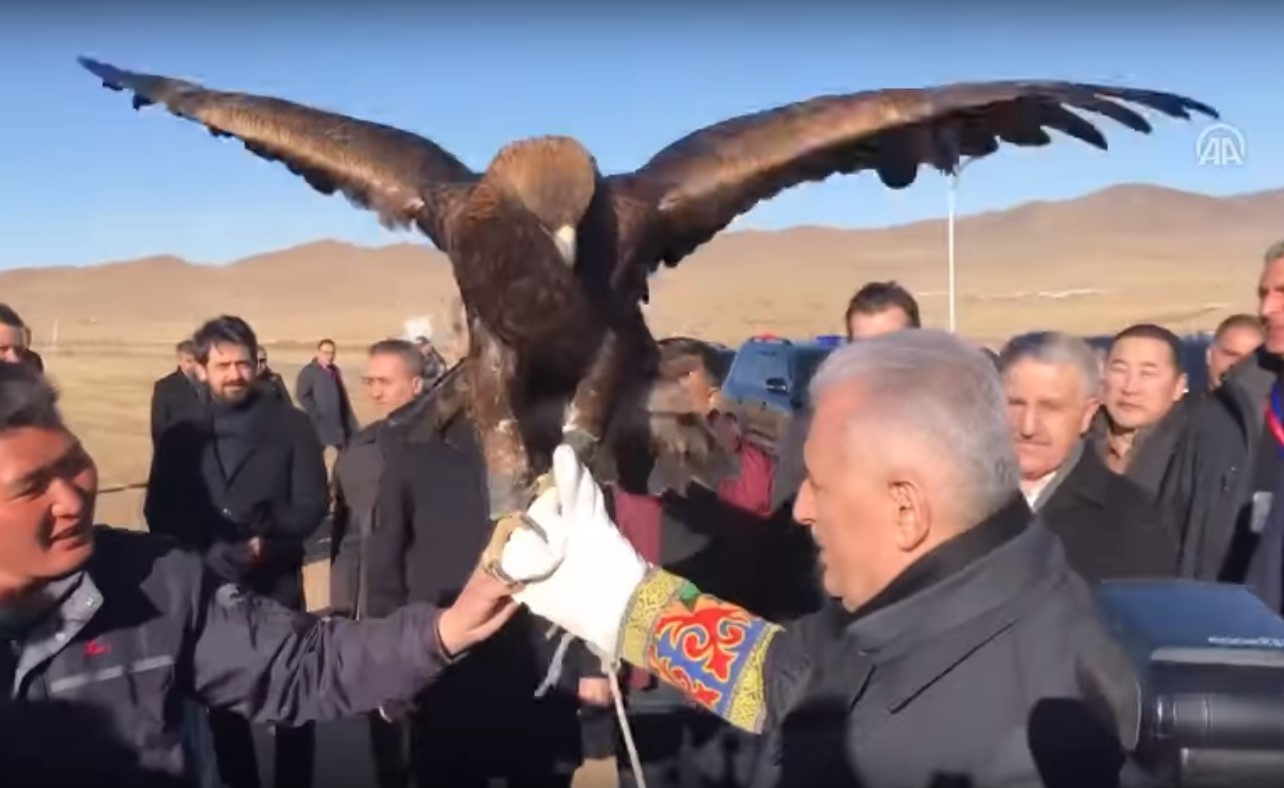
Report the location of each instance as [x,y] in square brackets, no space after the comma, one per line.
[555,316]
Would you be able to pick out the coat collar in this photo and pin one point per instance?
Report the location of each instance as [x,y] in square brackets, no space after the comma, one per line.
[177,376]
[78,601]
[405,417]
[1059,477]
[938,565]
[435,415]
[1245,388]
[411,412]
[1087,480]
[952,602]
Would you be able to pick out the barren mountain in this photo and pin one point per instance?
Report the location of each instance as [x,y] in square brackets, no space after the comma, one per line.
[1123,254]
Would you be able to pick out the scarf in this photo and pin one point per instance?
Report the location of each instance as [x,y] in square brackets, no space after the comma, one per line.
[231,431]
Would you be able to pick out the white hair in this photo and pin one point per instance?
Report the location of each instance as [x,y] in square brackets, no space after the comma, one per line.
[1274,252]
[935,389]
[1056,349]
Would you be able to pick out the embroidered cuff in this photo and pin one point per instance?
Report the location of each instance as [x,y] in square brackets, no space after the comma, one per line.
[711,650]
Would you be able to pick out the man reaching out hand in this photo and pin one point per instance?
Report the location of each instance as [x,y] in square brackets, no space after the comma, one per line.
[105,633]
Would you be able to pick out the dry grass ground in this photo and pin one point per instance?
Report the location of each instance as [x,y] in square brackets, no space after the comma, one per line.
[1089,265]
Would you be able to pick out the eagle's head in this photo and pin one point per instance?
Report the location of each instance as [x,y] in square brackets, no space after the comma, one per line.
[554,178]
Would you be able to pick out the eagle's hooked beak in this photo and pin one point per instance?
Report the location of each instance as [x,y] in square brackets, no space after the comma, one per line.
[564,238]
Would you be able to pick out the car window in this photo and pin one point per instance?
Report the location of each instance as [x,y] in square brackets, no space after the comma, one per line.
[772,364]
[1195,362]
[726,357]
[744,370]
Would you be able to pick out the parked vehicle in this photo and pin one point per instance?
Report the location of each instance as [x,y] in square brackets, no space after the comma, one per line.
[769,378]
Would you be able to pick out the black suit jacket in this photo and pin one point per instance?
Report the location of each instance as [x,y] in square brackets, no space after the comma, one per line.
[278,493]
[174,399]
[1108,524]
[430,527]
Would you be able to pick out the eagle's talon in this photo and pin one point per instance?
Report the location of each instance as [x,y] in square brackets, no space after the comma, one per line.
[492,557]
[582,442]
[506,525]
[542,485]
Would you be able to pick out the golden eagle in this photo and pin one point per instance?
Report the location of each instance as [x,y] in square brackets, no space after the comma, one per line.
[552,257]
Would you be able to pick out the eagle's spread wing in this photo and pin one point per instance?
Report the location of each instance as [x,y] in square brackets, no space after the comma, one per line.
[403,177]
[696,186]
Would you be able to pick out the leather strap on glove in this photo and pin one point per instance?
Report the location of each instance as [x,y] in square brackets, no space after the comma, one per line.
[582,573]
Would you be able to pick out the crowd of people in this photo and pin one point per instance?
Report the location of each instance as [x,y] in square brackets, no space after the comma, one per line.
[924,536]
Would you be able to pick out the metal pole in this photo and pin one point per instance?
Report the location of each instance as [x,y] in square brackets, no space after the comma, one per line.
[951,197]
[952,186]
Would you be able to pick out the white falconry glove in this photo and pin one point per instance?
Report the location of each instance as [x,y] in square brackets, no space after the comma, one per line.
[582,574]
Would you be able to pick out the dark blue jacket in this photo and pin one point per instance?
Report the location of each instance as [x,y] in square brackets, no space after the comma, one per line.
[98,692]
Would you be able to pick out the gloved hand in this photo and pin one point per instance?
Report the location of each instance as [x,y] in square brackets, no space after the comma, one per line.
[583,573]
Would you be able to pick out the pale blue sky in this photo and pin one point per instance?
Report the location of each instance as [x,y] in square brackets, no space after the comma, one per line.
[88,180]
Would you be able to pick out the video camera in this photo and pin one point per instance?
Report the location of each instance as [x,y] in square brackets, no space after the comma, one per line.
[1209,666]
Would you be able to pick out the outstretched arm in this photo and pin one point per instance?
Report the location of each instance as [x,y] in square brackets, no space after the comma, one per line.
[278,666]
[581,573]
[714,652]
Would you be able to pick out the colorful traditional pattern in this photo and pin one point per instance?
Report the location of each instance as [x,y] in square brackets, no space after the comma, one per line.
[710,649]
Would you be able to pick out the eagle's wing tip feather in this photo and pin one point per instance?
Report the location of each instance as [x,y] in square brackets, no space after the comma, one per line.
[110,75]
[96,67]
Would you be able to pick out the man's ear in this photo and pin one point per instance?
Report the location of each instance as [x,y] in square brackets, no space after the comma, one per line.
[1090,409]
[417,385]
[913,517]
[200,373]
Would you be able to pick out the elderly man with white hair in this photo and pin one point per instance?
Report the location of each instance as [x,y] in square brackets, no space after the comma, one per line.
[960,648]
[1106,522]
